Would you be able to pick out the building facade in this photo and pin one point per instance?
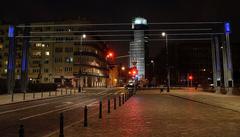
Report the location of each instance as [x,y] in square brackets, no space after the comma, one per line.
[62,57]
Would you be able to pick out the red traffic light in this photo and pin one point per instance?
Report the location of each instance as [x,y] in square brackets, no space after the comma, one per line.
[110,54]
[190,77]
[133,71]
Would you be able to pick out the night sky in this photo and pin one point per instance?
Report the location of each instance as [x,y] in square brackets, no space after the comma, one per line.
[108,11]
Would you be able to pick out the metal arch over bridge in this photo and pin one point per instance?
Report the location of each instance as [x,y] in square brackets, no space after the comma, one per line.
[215,37]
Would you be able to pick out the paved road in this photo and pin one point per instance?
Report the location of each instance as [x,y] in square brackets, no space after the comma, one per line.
[150,114]
[41,117]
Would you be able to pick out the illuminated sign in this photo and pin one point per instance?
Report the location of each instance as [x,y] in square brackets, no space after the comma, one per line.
[227,27]
[11,31]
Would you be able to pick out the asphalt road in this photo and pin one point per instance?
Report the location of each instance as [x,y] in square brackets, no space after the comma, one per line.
[41,117]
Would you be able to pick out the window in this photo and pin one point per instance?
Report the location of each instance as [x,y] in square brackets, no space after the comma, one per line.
[46,62]
[68,50]
[58,60]
[46,70]
[58,50]
[69,59]
[36,70]
[68,69]
[47,53]
[37,53]
[36,62]
[38,44]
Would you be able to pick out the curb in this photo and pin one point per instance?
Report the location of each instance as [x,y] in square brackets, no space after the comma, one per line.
[25,101]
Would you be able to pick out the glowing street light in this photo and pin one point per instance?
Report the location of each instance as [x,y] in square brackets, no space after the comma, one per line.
[123,68]
[163,34]
[84,36]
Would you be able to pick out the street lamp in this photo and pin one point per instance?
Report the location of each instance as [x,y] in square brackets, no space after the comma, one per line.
[152,61]
[167,60]
[80,84]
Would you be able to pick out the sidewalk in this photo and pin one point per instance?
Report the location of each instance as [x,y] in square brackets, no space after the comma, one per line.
[225,101]
[151,114]
[19,97]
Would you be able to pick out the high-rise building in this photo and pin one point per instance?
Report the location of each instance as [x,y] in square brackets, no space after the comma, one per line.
[138,47]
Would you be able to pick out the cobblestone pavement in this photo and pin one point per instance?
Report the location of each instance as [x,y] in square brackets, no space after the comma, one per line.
[225,101]
[150,114]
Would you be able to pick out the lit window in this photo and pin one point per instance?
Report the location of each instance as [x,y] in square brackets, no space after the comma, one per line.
[38,44]
[37,53]
[47,53]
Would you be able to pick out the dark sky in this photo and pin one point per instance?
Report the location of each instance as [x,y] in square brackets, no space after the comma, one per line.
[107,11]
[120,11]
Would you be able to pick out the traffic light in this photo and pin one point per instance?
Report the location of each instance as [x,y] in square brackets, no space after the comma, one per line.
[190,77]
[110,54]
[133,71]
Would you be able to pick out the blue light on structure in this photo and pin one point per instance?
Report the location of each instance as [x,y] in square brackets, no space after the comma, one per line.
[227,27]
[11,31]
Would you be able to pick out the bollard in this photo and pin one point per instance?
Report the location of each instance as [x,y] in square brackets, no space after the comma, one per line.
[41,94]
[109,104]
[122,98]
[61,134]
[33,95]
[55,92]
[71,91]
[85,117]
[21,131]
[115,103]
[100,109]
[125,97]
[24,95]
[12,97]
[61,91]
[49,93]
[66,91]
[119,99]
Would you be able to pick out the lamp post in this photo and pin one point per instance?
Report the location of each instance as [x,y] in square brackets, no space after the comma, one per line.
[167,60]
[80,84]
[152,62]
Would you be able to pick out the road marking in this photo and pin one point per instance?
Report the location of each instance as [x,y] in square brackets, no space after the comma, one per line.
[101,92]
[24,108]
[29,107]
[86,102]
[64,104]
[48,112]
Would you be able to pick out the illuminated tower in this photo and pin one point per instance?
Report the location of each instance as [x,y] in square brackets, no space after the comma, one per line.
[138,47]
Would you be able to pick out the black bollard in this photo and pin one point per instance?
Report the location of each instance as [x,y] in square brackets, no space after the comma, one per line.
[122,98]
[41,94]
[61,134]
[55,92]
[66,91]
[119,99]
[115,103]
[24,95]
[85,117]
[49,93]
[61,91]
[33,95]
[125,97]
[100,109]
[109,104]
[21,131]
